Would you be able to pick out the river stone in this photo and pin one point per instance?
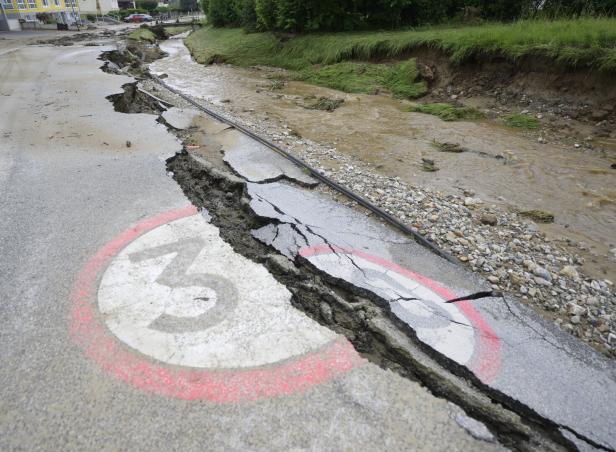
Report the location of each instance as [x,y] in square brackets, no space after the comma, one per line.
[489,219]
[575,309]
[542,282]
[570,272]
[470,202]
[599,114]
[542,273]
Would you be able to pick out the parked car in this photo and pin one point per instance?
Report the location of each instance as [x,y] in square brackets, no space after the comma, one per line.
[137,17]
[107,19]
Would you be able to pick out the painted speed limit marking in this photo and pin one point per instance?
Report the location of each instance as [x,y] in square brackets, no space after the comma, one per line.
[169,307]
[456,330]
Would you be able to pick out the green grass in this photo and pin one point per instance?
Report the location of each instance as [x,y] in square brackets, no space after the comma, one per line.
[401,80]
[447,112]
[233,45]
[523,122]
[582,42]
[368,78]
[142,34]
[348,77]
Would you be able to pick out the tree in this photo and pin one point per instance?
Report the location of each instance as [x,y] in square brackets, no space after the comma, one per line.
[221,13]
[149,5]
[205,4]
[266,11]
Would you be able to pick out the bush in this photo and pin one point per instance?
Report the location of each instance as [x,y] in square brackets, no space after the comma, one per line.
[523,122]
[247,14]
[44,17]
[266,12]
[576,8]
[221,13]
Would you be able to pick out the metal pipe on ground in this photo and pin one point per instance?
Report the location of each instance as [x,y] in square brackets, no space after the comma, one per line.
[314,173]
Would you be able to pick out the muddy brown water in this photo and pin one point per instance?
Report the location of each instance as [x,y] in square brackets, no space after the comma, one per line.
[505,168]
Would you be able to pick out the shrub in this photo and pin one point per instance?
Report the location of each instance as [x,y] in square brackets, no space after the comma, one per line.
[222,13]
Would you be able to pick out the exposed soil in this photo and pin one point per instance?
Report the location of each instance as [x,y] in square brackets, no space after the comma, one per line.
[582,94]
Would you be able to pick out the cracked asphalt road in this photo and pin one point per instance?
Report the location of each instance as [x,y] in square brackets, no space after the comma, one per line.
[73,196]
[504,344]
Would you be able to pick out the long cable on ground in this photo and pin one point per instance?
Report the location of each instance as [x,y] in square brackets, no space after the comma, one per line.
[314,173]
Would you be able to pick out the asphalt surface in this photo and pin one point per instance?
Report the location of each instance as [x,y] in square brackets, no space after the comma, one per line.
[103,326]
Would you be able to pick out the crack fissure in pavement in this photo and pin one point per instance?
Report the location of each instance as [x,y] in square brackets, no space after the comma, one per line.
[361,315]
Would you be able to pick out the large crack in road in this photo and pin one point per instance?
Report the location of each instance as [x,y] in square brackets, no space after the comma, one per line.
[361,315]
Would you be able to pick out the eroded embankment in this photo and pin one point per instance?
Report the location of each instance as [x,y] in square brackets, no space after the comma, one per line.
[535,58]
[581,92]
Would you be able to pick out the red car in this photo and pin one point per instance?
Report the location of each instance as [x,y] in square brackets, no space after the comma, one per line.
[137,17]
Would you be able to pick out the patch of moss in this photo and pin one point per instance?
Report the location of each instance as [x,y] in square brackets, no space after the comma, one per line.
[429,165]
[523,122]
[324,103]
[142,34]
[449,147]
[172,31]
[538,216]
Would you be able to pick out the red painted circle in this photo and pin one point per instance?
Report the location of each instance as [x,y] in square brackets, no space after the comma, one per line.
[222,386]
[486,358]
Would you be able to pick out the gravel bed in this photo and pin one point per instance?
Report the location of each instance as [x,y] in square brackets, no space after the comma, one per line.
[507,250]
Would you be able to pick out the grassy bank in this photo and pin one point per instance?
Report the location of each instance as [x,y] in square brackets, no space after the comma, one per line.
[583,42]
[340,60]
[142,34]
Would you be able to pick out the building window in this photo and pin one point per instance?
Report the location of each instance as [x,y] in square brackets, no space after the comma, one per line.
[57,2]
[70,3]
[8,4]
[45,2]
[21,4]
[31,3]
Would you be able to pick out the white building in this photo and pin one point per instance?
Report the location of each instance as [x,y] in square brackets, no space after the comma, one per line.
[99,7]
